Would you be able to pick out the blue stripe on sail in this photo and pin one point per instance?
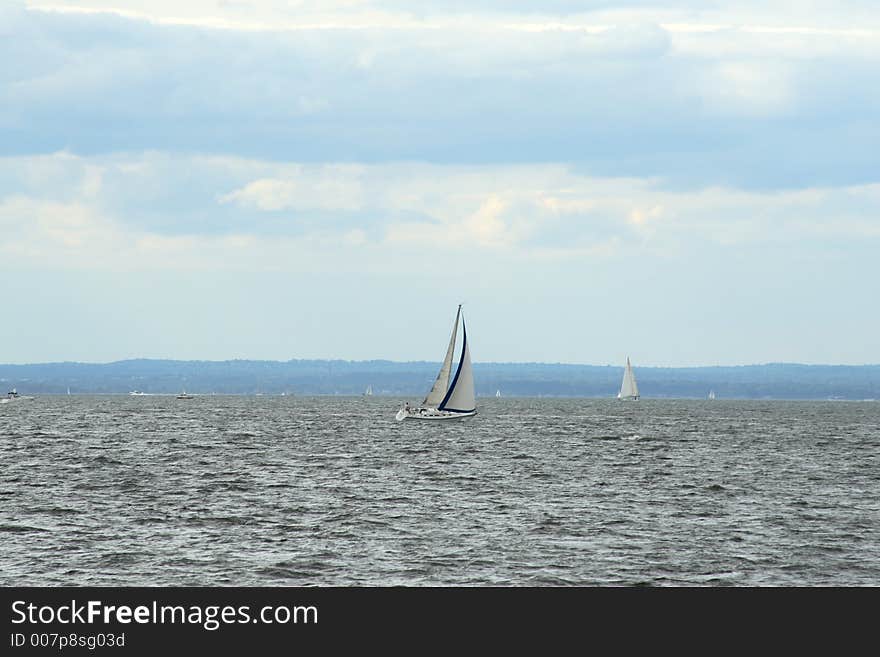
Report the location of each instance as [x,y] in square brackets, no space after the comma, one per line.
[442,406]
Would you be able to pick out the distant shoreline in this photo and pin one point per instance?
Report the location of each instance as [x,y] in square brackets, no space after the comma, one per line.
[411,379]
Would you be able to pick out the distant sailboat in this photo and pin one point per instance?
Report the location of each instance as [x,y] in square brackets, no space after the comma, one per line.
[451,397]
[711,394]
[12,396]
[183,395]
[629,389]
[368,392]
[497,393]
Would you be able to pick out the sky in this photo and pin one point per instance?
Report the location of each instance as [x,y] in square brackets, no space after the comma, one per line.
[684,183]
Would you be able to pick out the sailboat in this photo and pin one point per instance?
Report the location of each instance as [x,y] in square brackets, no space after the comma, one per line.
[13,395]
[711,394]
[368,392]
[629,389]
[451,397]
[497,393]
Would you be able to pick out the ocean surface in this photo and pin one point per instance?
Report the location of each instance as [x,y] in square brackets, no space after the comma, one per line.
[226,490]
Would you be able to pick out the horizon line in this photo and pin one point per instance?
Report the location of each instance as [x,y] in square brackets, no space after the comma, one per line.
[432,362]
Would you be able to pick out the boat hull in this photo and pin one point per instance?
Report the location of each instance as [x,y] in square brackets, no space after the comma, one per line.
[13,395]
[430,414]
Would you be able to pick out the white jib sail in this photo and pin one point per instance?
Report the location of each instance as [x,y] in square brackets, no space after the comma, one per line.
[461,395]
[438,392]
[629,387]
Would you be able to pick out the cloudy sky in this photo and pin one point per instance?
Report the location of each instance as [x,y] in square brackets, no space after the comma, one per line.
[684,182]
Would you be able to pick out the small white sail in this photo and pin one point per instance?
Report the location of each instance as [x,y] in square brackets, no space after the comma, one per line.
[497,393]
[711,394]
[369,391]
[629,389]
[441,385]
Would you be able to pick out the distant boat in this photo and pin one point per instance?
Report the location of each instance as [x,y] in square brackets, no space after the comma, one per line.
[183,395]
[711,394]
[12,396]
[68,391]
[449,398]
[368,392]
[629,389]
[135,393]
[497,393]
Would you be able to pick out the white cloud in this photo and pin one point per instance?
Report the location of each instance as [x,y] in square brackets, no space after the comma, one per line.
[751,87]
[333,187]
[776,15]
[285,216]
[53,234]
[643,90]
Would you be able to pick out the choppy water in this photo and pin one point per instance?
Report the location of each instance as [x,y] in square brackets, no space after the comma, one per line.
[120,490]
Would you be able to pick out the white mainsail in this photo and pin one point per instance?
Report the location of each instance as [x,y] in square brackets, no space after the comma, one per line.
[460,397]
[441,385]
[629,389]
